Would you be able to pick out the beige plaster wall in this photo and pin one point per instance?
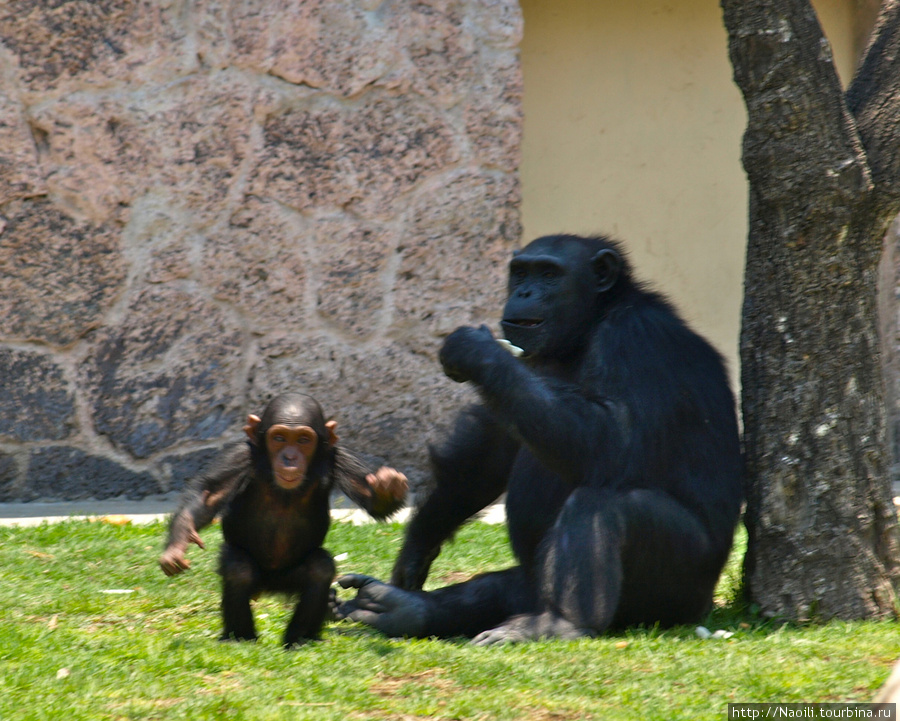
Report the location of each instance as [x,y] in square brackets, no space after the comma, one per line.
[633,128]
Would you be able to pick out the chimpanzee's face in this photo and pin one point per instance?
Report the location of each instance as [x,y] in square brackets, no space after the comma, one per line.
[291,450]
[551,300]
[292,434]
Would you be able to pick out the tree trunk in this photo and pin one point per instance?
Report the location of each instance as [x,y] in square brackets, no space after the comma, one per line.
[822,530]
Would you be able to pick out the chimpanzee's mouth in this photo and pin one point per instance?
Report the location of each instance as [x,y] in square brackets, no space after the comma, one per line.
[290,477]
[524,322]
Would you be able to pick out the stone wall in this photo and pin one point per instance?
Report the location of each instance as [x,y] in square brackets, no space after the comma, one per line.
[206,203]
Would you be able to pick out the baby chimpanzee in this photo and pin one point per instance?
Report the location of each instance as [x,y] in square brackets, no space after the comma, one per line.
[272,495]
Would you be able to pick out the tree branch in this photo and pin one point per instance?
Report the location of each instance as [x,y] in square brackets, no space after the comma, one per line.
[874,100]
[800,136]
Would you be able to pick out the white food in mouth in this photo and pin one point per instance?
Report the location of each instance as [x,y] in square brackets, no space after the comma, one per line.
[506,345]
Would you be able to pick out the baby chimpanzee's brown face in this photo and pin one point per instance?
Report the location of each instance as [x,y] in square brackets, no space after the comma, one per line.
[291,450]
[293,441]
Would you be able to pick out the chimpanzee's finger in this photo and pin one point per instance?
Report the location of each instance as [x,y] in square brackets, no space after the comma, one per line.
[360,615]
[355,580]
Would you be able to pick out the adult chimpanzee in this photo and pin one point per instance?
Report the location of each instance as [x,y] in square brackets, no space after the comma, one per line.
[615,436]
[272,493]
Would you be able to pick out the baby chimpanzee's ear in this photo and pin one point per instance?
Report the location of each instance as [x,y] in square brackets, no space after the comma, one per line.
[332,436]
[250,429]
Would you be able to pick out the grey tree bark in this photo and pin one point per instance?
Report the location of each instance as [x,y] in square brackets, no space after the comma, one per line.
[824,174]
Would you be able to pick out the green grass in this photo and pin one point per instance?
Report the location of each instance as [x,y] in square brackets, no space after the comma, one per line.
[70,651]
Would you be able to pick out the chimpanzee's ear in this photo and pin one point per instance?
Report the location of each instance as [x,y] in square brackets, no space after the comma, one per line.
[332,436]
[250,429]
[607,265]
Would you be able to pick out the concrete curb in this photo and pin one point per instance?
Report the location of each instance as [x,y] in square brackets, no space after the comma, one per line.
[158,509]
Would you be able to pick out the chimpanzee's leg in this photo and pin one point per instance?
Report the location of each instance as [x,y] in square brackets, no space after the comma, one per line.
[470,468]
[670,562]
[617,559]
[463,609]
[240,582]
[312,580]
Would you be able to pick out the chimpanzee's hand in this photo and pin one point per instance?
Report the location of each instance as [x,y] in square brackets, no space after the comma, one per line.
[465,352]
[172,561]
[391,610]
[389,488]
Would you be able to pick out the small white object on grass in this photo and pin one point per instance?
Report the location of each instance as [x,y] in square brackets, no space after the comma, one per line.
[342,557]
[704,633]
